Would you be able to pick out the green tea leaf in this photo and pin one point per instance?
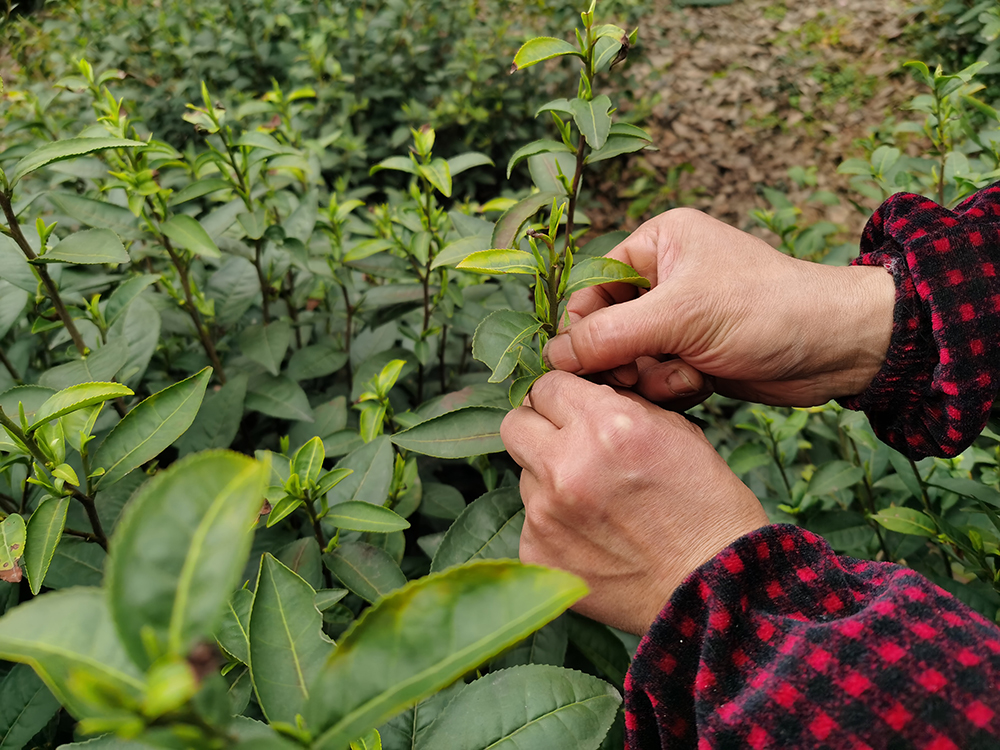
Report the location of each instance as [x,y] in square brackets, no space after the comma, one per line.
[906,521]
[367,571]
[833,476]
[468,160]
[488,528]
[315,361]
[308,461]
[279,396]
[190,235]
[600,646]
[616,146]
[593,119]
[508,227]
[455,252]
[396,163]
[179,550]
[426,635]
[540,49]
[530,706]
[197,189]
[287,648]
[234,627]
[26,706]
[967,488]
[125,292]
[12,537]
[76,397]
[67,148]
[254,223]
[500,262]
[98,214]
[283,508]
[361,516]
[267,344]
[150,427]
[371,473]
[91,246]
[543,146]
[371,741]
[499,339]
[594,271]
[44,532]
[437,174]
[458,434]
[99,366]
[218,420]
[65,634]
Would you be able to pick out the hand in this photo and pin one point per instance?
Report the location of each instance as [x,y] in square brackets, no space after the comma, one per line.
[628,496]
[764,326]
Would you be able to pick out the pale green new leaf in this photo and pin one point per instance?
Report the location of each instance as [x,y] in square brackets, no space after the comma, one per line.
[458,434]
[44,532]
[150,427]
[308,460]
[76,397]
[424,636]
[89,247]
[499,339]
[395,163]
[67,148]
[529,706]
[468,160]
[179,550]
[594,271]
[500,261]
[437,174]
[287,648]
[360,516]
[540,49]
[187,233]
[454,252]
[906,521]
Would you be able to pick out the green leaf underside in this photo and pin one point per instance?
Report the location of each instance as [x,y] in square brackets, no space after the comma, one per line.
[361,516]
[91,246]
[530,706]
[179,550]
[499,338]
[44,532]
[427,634]
[67,148]
[187,233]
[150,427]
[500,261]
[906,521]
[472,431]
[540,49]
[509,225]
[488,528]
[367,571]
[593,119]
[233,631]
[287,649]
[593,271]
[66,632]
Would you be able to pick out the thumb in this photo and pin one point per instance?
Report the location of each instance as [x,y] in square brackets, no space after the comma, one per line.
[610,337]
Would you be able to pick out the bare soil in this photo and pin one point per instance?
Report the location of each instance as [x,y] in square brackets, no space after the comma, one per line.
[743,92]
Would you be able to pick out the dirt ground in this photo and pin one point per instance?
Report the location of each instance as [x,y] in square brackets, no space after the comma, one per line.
[743,92]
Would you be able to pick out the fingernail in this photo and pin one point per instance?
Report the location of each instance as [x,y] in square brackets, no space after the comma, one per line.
[558,354]
[678,382]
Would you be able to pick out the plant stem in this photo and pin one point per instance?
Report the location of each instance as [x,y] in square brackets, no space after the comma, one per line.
[320,538]
[347,335]
[10,368]
[43,274]
[926,500]
[581,153]
[262,280]
[870,493]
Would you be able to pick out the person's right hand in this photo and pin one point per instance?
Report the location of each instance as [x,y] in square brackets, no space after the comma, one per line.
[762,325]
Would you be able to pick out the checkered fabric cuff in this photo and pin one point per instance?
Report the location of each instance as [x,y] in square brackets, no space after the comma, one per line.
[942,372]
[779,642]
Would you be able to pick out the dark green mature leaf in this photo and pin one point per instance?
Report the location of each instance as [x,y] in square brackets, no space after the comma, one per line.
[600,646]
[426,635]
[91,246]
[233,288]
[540,49]
[499,339]
[67,148]
[97,214]
[150,427]
[14,267]
[253,222]
[304,558]
[543,146]
[457,251]
[441,501]
[488,528]
[371,467]
[179,550]
[500,262]
[367,571]
[906,521]
[26,706]
[287,647]
[403,731]
[616,145]
[140,330]
[12,302]
[530,706]
[437,174]
[267,344]
[76,562]
[509,225]
[100,365]
[315,361]
[360,516]
[593,119]
[457,434]
[279,396]
[190,235]
[44,532]
[834,475]
[125,292]
[76,397]
[967,488]
[747,457]
[594,271]
[218,419]
[234,627]
[197,189]
[66,633]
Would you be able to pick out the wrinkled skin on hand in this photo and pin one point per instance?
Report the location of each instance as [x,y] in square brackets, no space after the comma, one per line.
[628,496]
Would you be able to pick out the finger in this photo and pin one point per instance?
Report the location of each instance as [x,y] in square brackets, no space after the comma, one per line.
[527,436]
[669,381]
[625,376]
[638,250]
[559,397]
[613,336]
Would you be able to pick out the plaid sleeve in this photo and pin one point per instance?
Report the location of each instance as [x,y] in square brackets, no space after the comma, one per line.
[778,642]
[942,371]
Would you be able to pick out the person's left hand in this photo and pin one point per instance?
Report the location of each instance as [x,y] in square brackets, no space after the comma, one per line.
[627,496]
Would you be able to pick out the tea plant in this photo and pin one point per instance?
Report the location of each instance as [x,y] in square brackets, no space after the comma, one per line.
[241,426]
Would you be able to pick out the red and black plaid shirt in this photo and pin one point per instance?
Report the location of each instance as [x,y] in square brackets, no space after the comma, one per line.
[778,642]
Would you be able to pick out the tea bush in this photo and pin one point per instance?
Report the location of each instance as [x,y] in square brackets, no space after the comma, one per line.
[213,334]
